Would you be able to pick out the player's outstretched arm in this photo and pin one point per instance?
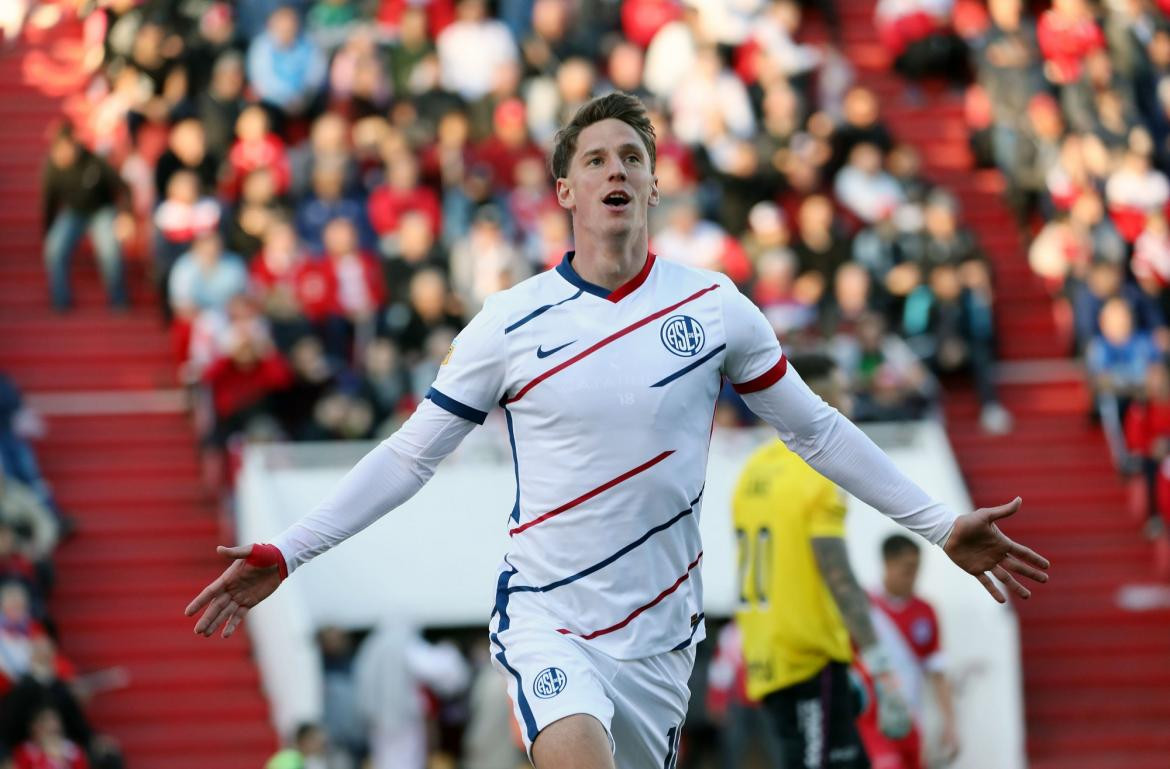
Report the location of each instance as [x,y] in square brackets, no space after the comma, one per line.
[978,546]
[254,574]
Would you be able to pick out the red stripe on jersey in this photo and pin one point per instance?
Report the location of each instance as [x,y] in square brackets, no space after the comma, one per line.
[765,380]
[631,285]
[657,600]
[611,338]
[591,494]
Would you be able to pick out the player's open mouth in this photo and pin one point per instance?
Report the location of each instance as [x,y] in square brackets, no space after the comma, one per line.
[616,201]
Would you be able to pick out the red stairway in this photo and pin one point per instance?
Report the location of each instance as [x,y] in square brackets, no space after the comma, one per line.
[121,457]
[1095,676]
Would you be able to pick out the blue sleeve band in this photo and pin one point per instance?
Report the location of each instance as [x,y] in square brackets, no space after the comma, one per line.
[456,408]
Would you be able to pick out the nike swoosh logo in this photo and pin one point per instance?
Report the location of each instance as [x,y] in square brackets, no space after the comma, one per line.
[545,353]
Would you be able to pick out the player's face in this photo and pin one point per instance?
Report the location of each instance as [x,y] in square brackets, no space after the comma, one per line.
[610,184]
[901,573]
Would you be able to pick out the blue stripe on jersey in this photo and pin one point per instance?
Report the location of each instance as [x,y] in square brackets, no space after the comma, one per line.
[565,268]
[540,311]
[504,623]
[688,369]
[691,637]
[456,408]
[515,462]
[607,561]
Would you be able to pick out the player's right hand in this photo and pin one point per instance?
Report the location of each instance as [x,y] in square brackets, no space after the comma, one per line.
[253,575]
[893,714]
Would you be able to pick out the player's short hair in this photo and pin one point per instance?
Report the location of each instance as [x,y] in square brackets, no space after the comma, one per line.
[617,106]
[897,545]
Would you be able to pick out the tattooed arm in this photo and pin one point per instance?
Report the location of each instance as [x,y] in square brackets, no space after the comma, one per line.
[833,562]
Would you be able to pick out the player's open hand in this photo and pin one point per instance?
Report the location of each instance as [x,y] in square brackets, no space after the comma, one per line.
[978,546]
[253,576]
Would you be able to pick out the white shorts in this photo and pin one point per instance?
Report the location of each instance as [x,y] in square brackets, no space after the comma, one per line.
[641,703]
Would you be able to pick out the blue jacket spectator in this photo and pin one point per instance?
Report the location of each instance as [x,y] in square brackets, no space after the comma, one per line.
[206,278]
[284,65]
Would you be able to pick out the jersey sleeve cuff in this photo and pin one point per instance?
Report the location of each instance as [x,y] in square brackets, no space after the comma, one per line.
[765,380]
[455,407]
[264,556]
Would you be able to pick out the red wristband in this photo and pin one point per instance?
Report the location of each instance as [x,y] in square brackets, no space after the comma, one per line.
[264,556]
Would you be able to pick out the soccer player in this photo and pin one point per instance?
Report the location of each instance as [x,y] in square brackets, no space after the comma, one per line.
[606,369]
[799,606]
[908,629]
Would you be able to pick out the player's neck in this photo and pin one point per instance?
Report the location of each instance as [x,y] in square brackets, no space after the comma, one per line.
[610,263]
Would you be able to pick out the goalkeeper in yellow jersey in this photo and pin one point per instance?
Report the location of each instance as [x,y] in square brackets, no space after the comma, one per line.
[800,605]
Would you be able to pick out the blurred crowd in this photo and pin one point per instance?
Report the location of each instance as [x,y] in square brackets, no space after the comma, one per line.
[326,191]
[43,698]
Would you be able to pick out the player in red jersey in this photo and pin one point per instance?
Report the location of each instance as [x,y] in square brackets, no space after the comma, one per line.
[908,629]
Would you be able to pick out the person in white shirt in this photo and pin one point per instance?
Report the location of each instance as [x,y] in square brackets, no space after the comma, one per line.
[472,49]
[607,369]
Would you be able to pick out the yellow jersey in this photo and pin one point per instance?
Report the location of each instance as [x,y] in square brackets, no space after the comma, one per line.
[789,621]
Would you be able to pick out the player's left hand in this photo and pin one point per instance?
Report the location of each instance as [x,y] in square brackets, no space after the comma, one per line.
[978,546]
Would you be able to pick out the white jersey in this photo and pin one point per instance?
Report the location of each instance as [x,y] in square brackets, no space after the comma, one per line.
[609,399]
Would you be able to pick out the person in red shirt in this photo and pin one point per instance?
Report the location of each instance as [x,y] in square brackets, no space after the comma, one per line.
[401,193]
[242,379]
[1067,33]
[508,145]
[47,746]
[1147,433]
[256,146]
[908,628]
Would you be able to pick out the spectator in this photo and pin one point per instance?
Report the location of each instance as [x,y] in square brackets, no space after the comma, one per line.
[15,566]
[864,188]
[820,246]
[1067,34]
[1009,68]
[392,664]
[473,50]
[700,243]
[18,425]
[507,146]
[358,84]
[258,207]
[401,194]
[414,249]
[886,380]
[309,748]
[386,383]
[80,192]
[861,124]
[329,143]
[182,214]
[47,746]
[788,304]
[360,290]
[330,201]
[205,277]
[244,377]
[1147,438]
[1134,191]
[920,37]
[430,311]
[18,629]
[1105,281]
[1118,358]
[285,66]
[219,105]
[272,278]
[484,261]
[409,50]
[256,147]
[950,326]
[186,151]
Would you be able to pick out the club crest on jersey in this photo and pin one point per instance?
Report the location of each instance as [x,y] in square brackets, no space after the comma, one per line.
[683,335]
[549,683]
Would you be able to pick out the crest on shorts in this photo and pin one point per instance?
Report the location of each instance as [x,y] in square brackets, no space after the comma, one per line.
[549,683]
[683,335]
